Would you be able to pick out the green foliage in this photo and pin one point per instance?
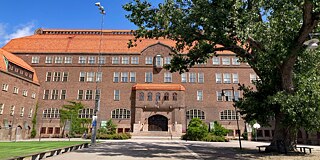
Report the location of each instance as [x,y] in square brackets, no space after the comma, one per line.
[34,122]
[70,113]
[214,138]
[120,136]
[197,130]
[219,130]
[110,128]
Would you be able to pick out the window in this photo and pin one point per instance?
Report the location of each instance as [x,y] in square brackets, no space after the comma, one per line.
[141,96]
[89,95]
[48,60]
[63,94]
[90,76]
[149,96]
[134,60]
[21,111]
[58,60]
[125,60]
[148,77]
[235,78]
[235,61]
[159,61]
[219,96]
[25,93]
[43,130]
[12,110]
[82,76]
[54,94]
[149,60]
[167,60]
[167,77]
[253,77]
[80,95]
[50,130]
[195,113]
[5,87]
[33,95]
[218,78]
[57,130]
[51,113]
[56,76]
[46,94]
[228,95]
[86,113]
[226,78]
[98,92]
[158,96]
[116,76]
[226,61]
[228,115]
[115,60]
[35,59]
[65,76]
[132,76]
[98,76]
[101,60]
[124,77]
[216,60]
[91,60]
[236,95]
[48,76]
[67,60]
[1,108]
[30,113]
[184,77]
[82,60]
[174,96]
[120,114]
[116,96]
[192,77]
[200,77]
[15,90]
[166,96]
[199,95]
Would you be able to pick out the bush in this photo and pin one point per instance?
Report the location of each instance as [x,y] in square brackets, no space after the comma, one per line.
[197,130]
[245,135]
[111,136]
[219,130]
[33,133]
[214,138]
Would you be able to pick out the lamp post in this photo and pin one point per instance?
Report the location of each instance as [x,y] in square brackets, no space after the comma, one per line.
[256,126]
[97,96]
[235,108]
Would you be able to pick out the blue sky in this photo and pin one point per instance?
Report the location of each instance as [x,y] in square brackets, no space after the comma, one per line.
[21,17]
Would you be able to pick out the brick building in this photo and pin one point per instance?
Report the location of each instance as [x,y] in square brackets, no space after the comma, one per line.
[136,92]
[18,97]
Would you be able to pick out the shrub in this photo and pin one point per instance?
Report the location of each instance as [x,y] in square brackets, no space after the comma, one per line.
[219,130]
[214,138]
[111,136]
[33,133]
[245,135]
[197,130]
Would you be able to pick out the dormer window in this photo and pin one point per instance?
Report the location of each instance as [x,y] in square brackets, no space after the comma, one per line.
[158,61]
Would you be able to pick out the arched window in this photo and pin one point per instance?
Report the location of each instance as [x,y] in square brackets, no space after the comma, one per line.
[174,96]
[86,113]
[149,96]
[120,114]
[228,115]
[158,61]
[166,96]
[141,96]
[51,113]
[195,113]
[158,95]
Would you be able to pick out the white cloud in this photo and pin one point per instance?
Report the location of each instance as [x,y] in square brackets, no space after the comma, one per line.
[20,31]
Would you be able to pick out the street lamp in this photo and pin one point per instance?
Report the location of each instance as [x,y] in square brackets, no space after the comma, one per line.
[97,96]
[256,126]
[235,108]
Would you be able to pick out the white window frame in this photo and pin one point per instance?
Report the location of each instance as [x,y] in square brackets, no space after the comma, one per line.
[48,60]
[58,59]
[253,77]
[1,108]
[44,94]
[82,75]
[99,77]
[56,77]
[54,94]
[63,94]
[159,61]
[219,96]
[65,76]
[134,60]
[199,95]
[192,77]
[149,60]
[201,77]
[89,95]
[216,60]
[235,78]
[116,95]
[115,60]
[12,108]
[167,60]
[90,76]
[101,60]
[184,78]
[226,78]
[125,60]
[116,77]
[5,87]
[167,77]
[225,60]
[133,77]
[82,60]
[35,59]
[68,60]
[124,77]
[21,111]
[148,77]
[82,95]
[33,95]
[15,90]
[91,60]
[30,113]
[235,61]
[25,93]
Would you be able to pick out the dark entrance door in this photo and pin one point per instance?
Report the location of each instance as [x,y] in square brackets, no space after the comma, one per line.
[157,123]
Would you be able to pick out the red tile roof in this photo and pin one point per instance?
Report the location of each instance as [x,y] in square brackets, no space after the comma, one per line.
[17,61]
[159,87]
[81,41]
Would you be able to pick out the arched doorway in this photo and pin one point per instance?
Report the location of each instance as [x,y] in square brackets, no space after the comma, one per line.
[158,123]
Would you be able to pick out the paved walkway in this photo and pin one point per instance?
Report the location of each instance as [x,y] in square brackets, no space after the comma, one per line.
[173,150]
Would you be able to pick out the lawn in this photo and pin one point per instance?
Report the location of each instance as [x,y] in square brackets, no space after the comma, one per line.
[13,149]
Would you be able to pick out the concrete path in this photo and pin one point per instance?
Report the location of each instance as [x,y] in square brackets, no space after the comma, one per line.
[170,149]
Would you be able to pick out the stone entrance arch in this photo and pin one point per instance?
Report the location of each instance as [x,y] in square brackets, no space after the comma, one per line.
[157,123]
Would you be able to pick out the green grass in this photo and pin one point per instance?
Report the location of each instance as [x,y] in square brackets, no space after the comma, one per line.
[13,149]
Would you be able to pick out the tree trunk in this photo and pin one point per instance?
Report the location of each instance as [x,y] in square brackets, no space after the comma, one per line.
[284,138]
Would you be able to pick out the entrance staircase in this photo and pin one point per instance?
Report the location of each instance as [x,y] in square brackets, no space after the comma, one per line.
[156,135]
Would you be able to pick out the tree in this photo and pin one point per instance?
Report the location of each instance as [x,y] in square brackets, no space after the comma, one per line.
[34,122]
[70,112]
[268,34]
[197,130]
